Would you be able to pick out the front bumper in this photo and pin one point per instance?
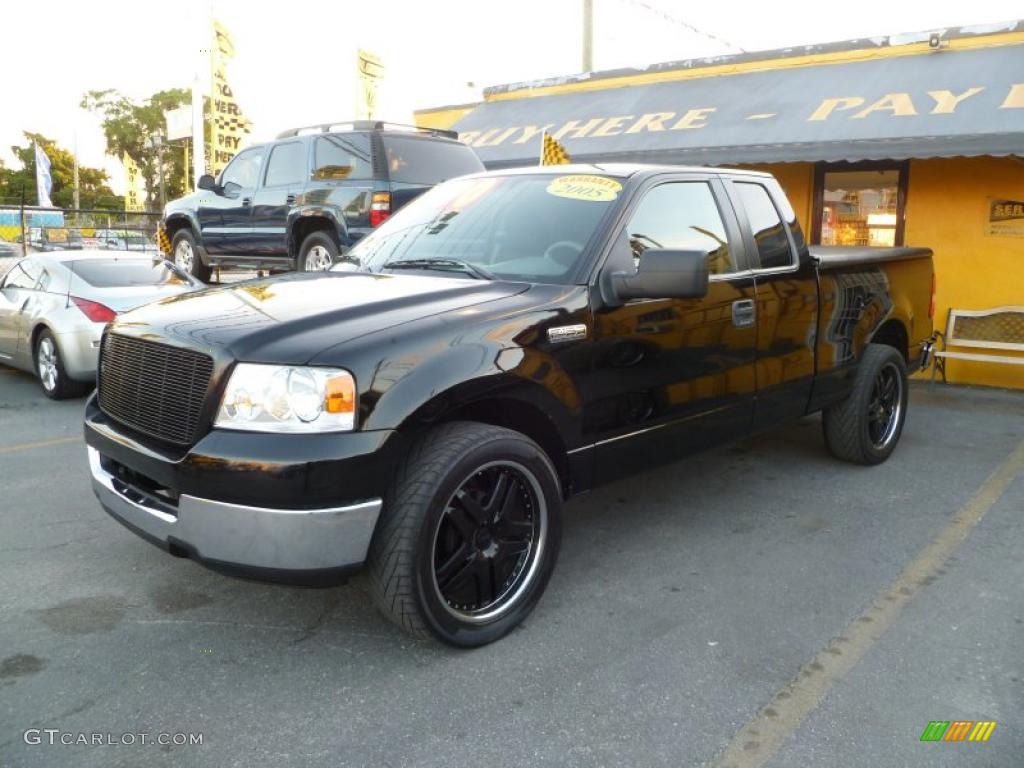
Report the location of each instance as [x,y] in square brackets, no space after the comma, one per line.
[279,544]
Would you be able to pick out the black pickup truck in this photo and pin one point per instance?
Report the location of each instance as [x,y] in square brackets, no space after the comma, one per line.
[508,340]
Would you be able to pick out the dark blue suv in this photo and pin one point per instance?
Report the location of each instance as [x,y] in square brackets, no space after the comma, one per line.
[300,201]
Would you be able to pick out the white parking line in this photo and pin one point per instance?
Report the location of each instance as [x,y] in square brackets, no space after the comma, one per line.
[756,742]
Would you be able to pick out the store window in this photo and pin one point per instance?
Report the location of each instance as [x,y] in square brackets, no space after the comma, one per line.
[860,204]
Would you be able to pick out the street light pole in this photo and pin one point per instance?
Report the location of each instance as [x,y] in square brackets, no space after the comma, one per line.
[588,35]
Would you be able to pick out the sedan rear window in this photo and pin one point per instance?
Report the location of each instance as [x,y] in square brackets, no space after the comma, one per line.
[415,161]
[123,273]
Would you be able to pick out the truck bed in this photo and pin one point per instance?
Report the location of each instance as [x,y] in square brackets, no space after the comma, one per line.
[838,256]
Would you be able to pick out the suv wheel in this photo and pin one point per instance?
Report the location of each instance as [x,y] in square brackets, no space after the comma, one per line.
[317,253]
[469,534]
[186,255]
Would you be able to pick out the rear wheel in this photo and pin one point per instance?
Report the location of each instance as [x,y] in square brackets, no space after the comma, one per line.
[186,255]
[317,253]
[865,427]
[469,534]
[50,370]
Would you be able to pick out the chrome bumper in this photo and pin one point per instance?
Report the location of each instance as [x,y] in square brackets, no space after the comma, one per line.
[284,540]
[927,350]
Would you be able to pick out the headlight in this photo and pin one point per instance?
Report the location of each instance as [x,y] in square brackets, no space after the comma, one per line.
[275,398]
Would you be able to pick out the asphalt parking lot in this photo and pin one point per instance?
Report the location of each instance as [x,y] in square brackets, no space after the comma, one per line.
[762,604]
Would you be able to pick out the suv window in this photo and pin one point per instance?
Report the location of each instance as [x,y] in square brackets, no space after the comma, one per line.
[417,161]
[683,215]
[769,234]
[337,157]
[244,170]
[23,275]
[287,164]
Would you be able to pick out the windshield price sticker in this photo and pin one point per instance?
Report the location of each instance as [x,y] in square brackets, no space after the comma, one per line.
[589,188]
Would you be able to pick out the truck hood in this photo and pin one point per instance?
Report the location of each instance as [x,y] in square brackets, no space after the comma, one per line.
[290,319]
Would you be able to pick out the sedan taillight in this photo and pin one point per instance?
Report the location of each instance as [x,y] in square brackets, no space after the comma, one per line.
[96,312]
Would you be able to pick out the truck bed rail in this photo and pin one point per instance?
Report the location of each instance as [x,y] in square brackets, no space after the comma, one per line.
[838,256]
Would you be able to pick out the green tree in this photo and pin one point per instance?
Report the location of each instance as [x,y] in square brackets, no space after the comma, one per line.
[93,189]
[128,126]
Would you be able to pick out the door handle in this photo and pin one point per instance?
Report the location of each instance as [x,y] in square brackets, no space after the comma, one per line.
[246,201]
[743,313]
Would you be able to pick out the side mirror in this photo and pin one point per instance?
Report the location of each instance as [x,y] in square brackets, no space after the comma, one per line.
[207,182]
[665,273]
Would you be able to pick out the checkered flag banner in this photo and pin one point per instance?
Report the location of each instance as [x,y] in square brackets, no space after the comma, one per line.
[553,153]
[163,241]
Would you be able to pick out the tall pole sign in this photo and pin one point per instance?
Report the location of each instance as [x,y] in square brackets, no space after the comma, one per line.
[371,71]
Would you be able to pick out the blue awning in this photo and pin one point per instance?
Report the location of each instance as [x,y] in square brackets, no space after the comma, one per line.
[943,103]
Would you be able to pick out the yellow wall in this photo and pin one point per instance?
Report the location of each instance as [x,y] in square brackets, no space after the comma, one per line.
[947,207]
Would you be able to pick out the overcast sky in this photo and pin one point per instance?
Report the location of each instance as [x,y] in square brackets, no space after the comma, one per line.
[295,62]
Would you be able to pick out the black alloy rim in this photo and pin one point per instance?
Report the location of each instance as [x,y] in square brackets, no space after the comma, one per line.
[488,541]
[886,405]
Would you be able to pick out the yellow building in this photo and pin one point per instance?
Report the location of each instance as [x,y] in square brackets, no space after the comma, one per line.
[915,141]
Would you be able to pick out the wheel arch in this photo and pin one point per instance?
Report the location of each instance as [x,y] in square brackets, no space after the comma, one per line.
[893,333]
[305,222]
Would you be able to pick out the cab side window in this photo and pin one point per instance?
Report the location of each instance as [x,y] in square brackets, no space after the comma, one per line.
[244,170]
[773,246]
[287,164]
[681,215]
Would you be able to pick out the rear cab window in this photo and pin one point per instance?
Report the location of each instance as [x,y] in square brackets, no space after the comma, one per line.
[773,247]
[422,161]
[122,273]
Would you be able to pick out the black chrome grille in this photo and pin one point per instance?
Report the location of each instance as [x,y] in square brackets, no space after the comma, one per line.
[153,388]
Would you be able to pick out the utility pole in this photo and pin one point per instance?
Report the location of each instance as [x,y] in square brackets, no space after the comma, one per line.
[588,35]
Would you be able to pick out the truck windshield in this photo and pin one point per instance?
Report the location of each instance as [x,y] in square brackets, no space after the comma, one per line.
[532,228]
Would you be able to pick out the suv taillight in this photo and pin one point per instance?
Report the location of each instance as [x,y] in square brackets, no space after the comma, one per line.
[380,208]
[96,312]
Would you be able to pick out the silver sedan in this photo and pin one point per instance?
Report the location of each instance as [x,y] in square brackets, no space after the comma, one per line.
[54,306]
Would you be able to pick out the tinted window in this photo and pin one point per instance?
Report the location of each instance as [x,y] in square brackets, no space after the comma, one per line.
[769,233]
[287,164]
[531,228]
[244,170]
[23,275]
[417,161]
[116,273]
[344,156]
[681,215]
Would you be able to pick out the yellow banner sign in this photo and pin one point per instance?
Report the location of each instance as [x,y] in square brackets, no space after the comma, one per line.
[135,185]
[371,72]
[229,126]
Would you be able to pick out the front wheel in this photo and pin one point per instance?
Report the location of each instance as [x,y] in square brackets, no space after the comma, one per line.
[186,255]
[469,534]
[865,428]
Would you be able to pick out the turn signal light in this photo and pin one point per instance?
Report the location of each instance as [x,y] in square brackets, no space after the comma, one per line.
[380,208]
[341,395]
[96,312]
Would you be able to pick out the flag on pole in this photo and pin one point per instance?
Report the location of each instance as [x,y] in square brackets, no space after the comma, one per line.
[553,153]
[44,182]
[371,71]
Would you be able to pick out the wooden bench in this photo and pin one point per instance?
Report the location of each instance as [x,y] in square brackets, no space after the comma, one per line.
[996,329]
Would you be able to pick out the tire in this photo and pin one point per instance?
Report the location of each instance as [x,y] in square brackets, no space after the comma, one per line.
[865,428]
[185,253]
[434,569]
[317,253]
[50,373]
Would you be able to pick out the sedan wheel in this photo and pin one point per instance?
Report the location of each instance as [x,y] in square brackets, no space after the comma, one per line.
[46,362]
